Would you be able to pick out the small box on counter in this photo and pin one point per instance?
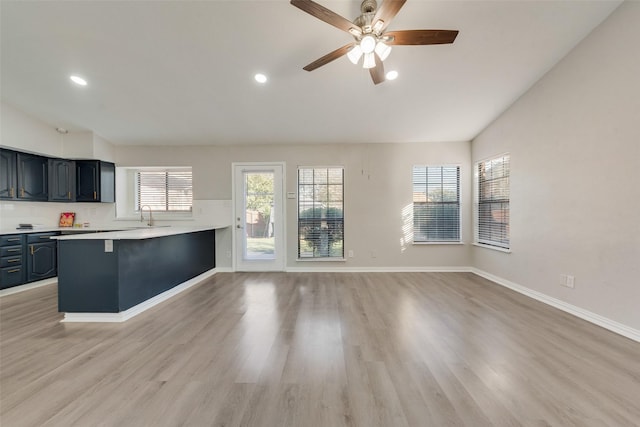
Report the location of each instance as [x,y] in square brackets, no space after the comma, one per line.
[67,219]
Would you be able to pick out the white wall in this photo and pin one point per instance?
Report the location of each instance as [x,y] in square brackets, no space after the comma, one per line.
[21,131]
[574,140]
[78,145]
[26,133]
[378,194]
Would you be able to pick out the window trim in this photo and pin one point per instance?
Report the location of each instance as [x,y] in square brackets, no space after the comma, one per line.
[126,194]
[324,258]
[166,171]
[459,241]
[476,206]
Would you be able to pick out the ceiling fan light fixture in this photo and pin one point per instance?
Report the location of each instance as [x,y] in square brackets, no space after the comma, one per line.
[377,27]
[368,44]
[392,75]
[383,50]
[369,60]
[354,54]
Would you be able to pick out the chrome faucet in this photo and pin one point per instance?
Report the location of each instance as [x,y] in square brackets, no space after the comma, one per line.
[150,223]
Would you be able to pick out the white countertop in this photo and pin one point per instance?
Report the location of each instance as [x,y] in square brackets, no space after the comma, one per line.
[61,229]
[139,233]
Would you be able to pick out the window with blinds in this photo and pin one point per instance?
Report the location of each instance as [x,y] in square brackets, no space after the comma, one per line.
[320,212]
[492,202]
[165,190]
[436,204]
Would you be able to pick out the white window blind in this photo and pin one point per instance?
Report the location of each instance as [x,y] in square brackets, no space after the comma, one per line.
[165,190]
[436,203]
[492,208]
[320,212]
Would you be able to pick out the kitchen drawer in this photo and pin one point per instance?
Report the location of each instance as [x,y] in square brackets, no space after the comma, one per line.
[11,276]
[10,250]
[11,240]
[11,261]
[41,237]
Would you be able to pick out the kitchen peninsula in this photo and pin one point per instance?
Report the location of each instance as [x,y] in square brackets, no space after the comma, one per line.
[112,276]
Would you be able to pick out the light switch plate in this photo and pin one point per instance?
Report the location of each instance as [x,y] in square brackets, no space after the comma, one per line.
[291,195]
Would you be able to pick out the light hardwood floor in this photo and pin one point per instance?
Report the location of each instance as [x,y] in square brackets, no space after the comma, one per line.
[318,349]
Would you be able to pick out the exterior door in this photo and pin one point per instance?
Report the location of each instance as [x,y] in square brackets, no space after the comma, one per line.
[258,217]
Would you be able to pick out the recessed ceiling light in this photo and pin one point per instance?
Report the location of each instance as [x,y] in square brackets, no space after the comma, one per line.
[392,75]
[78,80]
[260,78]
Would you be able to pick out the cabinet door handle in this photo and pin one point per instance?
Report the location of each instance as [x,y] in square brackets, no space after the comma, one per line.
[69,195]
[11,192]
[17,270]
[13,250]
[95,195]
[13,260]
[31,249]
[22,192]
[13,240]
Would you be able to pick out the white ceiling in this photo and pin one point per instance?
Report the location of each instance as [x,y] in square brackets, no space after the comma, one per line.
[181,72]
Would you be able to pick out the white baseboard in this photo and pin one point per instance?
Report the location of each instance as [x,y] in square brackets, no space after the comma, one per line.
[225,270]
[324,269]
[28,286]
[611,325]
[137,309]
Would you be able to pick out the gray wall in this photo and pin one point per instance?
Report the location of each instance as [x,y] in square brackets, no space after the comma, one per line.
[378,194]
[574,140]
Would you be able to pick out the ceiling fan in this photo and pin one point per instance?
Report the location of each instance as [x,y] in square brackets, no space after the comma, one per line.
[372,41]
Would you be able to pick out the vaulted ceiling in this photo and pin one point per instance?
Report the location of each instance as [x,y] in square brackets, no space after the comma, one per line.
[181,72]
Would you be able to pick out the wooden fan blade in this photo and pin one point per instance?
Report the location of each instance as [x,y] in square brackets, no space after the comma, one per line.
[326,15]
[329,57]
[420,37]
[385,13]
[377,72]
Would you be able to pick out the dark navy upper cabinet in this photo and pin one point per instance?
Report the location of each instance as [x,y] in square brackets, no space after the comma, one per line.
[33,177]
[8,184]
[62,180]
[95,181]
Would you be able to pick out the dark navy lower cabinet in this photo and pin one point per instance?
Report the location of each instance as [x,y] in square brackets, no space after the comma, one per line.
[129,273]
[27,257]
[12,261]
[41,261]
[41,256]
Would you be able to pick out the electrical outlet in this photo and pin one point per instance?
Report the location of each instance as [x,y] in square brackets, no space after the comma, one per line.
[567,281]
[108,245]
[570,282]
[350,254]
